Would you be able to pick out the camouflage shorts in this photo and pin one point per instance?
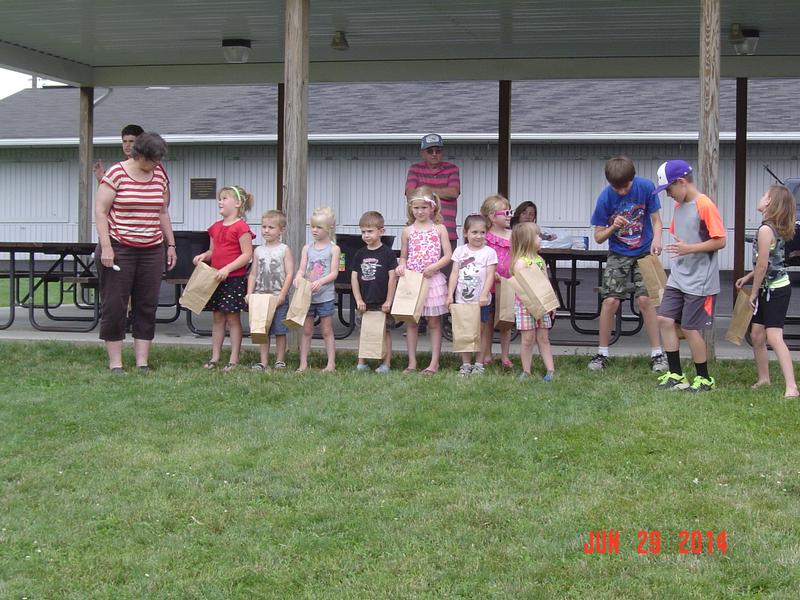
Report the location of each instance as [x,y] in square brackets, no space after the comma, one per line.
[617,277]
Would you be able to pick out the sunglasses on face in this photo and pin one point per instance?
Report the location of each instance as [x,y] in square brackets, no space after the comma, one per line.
[503,213]
[434,150]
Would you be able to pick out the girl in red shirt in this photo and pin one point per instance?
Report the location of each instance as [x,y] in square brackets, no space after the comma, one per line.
[230,252]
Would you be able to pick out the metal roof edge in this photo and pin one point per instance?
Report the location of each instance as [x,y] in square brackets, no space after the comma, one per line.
[389,138]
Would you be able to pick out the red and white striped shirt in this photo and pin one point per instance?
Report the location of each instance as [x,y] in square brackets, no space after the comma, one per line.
[134,216]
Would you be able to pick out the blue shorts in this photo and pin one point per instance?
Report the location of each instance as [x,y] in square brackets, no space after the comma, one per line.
[322,309]
[277,327]
[486,312]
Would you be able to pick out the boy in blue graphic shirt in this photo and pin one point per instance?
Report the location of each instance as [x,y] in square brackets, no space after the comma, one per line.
[627,215]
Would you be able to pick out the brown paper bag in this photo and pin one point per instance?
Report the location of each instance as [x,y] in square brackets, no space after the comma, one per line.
[412,290]
[740,321]
[466,322]
[261,309]
[536,291]
[298,307]
[199,289]
[655,278]
[504,315]
[370,342]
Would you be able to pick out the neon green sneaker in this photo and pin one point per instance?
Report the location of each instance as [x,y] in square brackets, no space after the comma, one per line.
[701,384]
[672,381]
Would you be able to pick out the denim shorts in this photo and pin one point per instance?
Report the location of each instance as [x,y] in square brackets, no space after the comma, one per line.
[322,309]
[486,312]
[277,327]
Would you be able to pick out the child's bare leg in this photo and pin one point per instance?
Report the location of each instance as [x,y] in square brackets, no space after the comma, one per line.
[696,344]
[263,351]
[234,322]
[412,333]
[668,334]
[545,350]
[526,350]
[326,325]
[217,335]
[466,358]
[435,335]
[280,348]
[650,319]
[487,333]
[305,343]
[607,312]
[387,343]
[505,345]
[758,336]
[775,338]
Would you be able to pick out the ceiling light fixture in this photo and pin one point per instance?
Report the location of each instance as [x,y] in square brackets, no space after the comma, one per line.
[236,50]
[339,41]
[744,39]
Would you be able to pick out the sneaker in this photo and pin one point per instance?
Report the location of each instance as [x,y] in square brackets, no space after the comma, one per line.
[598,362]
[659,363]
[701,384]
[362,368]
[477,369]
[523,376]
[382,369]
[465,370]
[672,381]
[549,376]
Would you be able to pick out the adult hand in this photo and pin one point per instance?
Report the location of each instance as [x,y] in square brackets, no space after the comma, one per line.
[172,258]
[679,248]
[107,257]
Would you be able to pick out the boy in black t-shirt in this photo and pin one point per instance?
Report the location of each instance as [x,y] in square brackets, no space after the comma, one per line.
[373,279]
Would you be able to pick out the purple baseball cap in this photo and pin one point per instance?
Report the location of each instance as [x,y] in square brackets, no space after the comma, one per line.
[669,172]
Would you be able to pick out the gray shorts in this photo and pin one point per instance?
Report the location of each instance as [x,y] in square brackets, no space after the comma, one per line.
[694,313]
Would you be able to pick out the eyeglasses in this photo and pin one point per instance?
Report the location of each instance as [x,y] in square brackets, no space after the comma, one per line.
[503,213]
[433,150]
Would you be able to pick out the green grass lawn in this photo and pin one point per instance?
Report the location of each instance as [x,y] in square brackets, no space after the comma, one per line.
[183,483]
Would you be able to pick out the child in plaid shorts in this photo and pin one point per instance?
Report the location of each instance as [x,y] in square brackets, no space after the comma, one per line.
[525,244]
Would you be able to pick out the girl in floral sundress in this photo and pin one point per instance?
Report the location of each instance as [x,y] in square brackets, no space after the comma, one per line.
[425,248]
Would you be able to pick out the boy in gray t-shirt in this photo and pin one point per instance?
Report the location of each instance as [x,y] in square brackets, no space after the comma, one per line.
[693,283]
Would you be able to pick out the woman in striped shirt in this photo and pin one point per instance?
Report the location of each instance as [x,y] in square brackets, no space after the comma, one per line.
[133,225]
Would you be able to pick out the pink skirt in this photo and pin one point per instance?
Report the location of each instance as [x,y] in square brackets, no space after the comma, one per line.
[436,302]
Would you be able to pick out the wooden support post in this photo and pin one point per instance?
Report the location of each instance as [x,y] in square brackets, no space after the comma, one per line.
[85,168]
[295,157]
[740,195]
[279,151]
[708,150]
[504,140]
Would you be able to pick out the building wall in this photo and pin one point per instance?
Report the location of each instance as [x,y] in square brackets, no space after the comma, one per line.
[38,194]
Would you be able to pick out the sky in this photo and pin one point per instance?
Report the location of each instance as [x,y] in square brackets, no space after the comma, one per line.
[11,82]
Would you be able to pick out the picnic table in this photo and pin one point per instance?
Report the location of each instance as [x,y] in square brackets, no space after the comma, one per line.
[568,301]
[77,277]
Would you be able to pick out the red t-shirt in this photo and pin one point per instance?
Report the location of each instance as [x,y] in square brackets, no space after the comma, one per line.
[226,244]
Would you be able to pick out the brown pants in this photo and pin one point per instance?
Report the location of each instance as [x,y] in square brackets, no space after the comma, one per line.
[139,279]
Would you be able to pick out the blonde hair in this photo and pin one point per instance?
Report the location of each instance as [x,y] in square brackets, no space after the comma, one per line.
[781,212]
[325,217]
[523,242]
[245,198]
[277,215]
[494,203]
[425,194]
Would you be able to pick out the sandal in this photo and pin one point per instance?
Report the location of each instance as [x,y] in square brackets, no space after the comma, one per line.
[409,370]
[279,365]
[429,371]
[210,364]
[507,364]
[230,367]
[259,367]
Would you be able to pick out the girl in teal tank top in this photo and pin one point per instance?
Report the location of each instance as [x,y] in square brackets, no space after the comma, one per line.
[771,287]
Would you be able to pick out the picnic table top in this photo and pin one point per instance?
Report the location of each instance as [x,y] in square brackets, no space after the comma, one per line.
[49,247]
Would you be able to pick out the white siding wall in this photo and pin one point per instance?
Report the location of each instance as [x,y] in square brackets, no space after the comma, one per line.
[38,186]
